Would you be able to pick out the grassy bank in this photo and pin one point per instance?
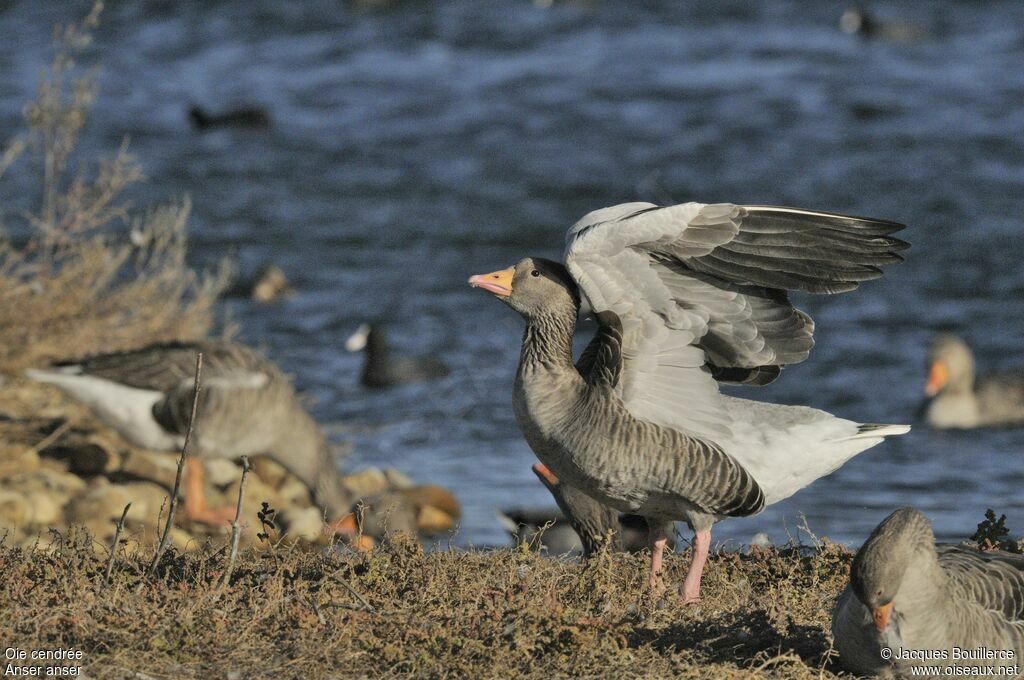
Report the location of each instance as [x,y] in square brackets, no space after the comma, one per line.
[403,611]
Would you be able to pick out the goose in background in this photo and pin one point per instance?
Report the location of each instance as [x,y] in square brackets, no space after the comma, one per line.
[860,22]
[955,399]
[907,593]
[241,116]
[380,369]
[246,407]
[685,296]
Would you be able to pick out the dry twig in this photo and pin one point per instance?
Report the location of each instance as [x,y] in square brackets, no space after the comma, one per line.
[116,543]
[165,538]
[236,528]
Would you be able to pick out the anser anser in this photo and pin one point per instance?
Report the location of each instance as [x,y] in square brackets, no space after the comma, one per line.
[957,400]
[247,406]
[911,596]
[686,296]
[242,116]
[380,369]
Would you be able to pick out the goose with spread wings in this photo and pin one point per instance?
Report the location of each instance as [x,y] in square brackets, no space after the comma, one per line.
[686,297]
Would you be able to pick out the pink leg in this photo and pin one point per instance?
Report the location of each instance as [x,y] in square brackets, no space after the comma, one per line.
[658,538]
[690,590]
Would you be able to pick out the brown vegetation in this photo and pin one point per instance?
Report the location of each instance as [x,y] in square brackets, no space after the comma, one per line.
[403,611]
[91,274]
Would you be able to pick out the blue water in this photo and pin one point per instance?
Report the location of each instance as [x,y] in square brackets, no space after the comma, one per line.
[414,146]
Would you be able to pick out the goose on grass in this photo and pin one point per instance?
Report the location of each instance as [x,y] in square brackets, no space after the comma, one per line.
[906,593]
[246,407]
[685,296]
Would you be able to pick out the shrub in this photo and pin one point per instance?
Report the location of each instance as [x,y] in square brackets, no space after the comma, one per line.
[90,274]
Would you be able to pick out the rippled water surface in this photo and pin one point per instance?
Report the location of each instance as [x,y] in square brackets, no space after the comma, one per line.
[414,146]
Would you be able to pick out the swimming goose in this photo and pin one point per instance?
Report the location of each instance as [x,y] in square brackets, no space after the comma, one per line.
[957,400]
[906,592]
[247,407]
[380,369]
[685,296]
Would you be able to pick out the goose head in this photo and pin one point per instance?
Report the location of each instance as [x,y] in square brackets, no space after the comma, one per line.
[878,570]
[533,287]
[950,365]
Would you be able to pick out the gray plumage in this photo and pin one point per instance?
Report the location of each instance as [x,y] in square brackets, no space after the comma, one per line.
[958,400]
[941,597]
[247,406]
[685,296]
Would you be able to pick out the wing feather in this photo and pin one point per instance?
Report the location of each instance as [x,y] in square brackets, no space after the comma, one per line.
[701,294]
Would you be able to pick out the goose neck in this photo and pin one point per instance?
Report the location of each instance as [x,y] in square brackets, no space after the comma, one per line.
[547,340]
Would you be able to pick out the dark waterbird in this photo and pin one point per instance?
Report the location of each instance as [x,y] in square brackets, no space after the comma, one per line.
[242,116]
[686,296]
[381,369]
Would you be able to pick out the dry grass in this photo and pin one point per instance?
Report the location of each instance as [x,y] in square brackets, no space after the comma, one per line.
[92,275]
[404,612]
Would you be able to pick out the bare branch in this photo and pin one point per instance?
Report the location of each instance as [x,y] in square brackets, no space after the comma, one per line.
[117,542]
[165,538]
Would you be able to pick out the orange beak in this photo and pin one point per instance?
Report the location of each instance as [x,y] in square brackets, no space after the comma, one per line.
[546,476]
[938,376]
[881,616]
[499,283]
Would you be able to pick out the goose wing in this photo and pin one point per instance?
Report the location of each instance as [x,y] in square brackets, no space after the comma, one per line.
[702,294]
[993,579]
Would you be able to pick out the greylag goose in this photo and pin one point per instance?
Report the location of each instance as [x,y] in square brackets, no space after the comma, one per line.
[685,297]
[242,116]
[957,400]
[380,369]
[907,594]
[247,406]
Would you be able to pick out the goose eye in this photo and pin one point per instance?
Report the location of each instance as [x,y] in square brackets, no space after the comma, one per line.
[535,273]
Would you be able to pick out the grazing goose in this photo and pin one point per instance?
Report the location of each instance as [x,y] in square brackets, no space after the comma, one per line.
[243,116]
[957,400]
[685,296]
[907,593]
[380,369]
[247,406]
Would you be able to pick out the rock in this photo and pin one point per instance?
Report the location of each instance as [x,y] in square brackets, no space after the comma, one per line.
[150,503]
[398,479]
[151,465]
[294,493]
[15,459]
[102,502]
[221,472]
[431,520]
[270,471]
[182,540]
[304,524]
[433,495]
[44,510]
[389,512]
[366,483]
[47,480]
[14,510]
[87,453]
